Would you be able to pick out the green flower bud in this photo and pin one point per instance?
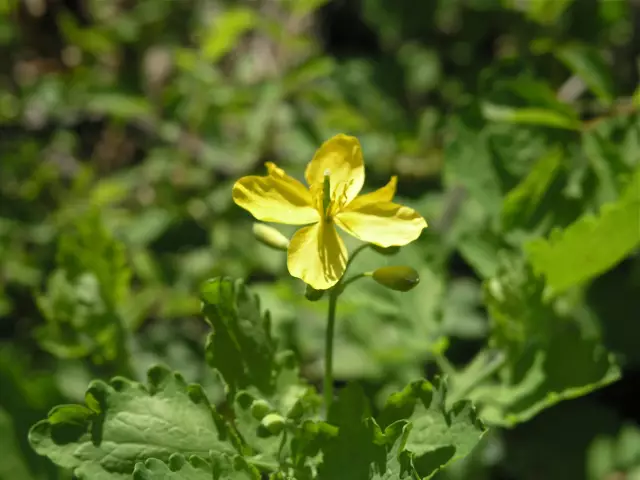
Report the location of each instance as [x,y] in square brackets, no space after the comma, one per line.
[260,409]
[312,294]
[399,278]
[385,251]
[273,422]
[270,236]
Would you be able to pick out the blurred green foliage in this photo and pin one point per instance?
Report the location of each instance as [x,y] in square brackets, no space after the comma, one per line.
[513,127]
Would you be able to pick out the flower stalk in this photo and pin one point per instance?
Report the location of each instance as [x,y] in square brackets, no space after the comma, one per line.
[328,349]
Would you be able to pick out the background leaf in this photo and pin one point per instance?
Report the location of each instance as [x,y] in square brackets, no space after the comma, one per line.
[587,63]
[571,256]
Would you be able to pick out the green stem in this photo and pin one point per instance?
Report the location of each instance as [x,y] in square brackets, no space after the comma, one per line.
[350,280]
[444,365]
[353,256]
[334,293]
[328,349]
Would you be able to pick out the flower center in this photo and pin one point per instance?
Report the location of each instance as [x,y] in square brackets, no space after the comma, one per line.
[326,195]
[329,199]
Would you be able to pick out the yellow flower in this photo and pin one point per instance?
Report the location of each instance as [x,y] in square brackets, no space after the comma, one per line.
[316,253]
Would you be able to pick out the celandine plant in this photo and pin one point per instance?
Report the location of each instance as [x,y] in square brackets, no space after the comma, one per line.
[274,425]
[316,254]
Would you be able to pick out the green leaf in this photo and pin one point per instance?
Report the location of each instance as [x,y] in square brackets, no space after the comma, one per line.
[439,434]
[522,202]
[92,40]
[610,148]
[526,101]
[84,296]
[240,345]
[541,11]
[217,467]
[78,321]
[545,356]
[304,7]
[314,69]
[387,330]
[262,442]
[469,163]
[529,116]
[225,32]
[636,98]
[570,366]
[591,245]
[292,402]
[360,446]
[232,467]
[460,315]
[119,105]
[481,250]
[125,422]
[241,348]
[14,466]
[88,246]
[178,468]
[399,463]
[587,63]
[609,456]
[351,453]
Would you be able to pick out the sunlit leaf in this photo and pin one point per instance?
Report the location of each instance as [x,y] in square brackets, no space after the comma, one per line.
[521,203]
[217,467]
[225,31]
[529,116]
[592,244]
[543,356]
[440,434]
[125,422]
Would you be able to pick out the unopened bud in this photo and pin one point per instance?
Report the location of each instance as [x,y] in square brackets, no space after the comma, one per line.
[385,251]
[270,236]
[273,422]
[260,409]
[400,278]
[312,294]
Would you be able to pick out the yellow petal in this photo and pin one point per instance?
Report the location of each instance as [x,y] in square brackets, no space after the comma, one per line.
[384,194]
[317,255]
[341,156]
[385,224]
[275,198]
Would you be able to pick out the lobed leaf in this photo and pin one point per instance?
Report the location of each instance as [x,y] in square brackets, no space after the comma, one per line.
[241,348]
[575,255]
[240,345]
[83,297]
[125,422]
[544,355]
[361,450]
[440,434]
[216,467]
